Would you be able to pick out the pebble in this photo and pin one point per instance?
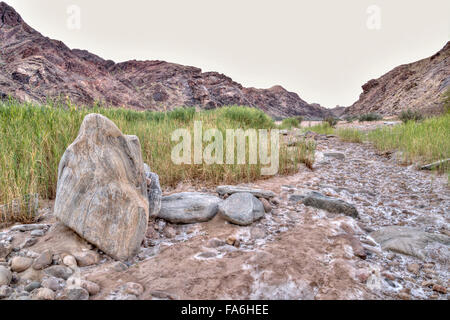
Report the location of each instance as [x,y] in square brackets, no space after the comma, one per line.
[44,260]
[53,283]
[119,266]
[20,264]
[231,240]
[29,227]
[404,296]
[86,258]
[215,243]
[440,289]
[5,291]
[5,276]
[44,294]
[59,272]
[76,293]
[28,243]
[134,288]
[37,233]
[413,268]
[70,261]
[32,286]
[90,287]
[266,204]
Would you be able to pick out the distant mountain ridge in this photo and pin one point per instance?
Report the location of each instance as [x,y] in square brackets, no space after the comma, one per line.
[418,86]
[34,67]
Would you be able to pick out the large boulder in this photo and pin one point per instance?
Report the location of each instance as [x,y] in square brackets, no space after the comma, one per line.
[319,201]
[241,209]
[189,207]
[409,241]
[102,189]
[153,190]
[223,190]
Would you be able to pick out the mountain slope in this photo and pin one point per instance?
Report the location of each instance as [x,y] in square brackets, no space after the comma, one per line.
[34,67]
[418,86]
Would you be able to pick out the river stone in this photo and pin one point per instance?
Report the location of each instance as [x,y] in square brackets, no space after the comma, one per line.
[5,276]
[20,264]
[189,207]
[223,190]
[154,191]
[29,227]
[76,293]
[5,250]
[43,261]
[59,272]
[409,241]
[318,200]
[102,190]
[43,294]
[242,209]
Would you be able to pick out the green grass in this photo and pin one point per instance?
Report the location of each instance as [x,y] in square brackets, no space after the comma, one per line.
[421,142]
[350,135]
[323,128]
[33,139]
[370,117]
[290,123]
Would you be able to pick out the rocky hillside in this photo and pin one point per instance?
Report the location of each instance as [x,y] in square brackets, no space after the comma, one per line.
[417,86]
[34,67]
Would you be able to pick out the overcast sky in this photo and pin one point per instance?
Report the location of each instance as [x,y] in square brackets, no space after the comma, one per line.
[322,50]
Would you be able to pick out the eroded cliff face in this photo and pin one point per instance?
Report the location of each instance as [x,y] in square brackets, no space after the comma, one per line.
[34,67]
[418,86]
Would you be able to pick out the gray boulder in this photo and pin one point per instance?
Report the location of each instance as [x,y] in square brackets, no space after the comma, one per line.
[189,207]
[5,276]
[241,209]
[153,190]
[102,190]
[318,200]
[223,190]
[409,241]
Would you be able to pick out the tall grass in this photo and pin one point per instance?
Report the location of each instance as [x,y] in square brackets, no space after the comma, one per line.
[33,139]
[322,128]
[421,142]
[350,135]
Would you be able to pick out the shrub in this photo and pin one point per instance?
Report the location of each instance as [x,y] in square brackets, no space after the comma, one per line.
[370,117]
[410,115]
[332,122]
[288,123]
[350,135]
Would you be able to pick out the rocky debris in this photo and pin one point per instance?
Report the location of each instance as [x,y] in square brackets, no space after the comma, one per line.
[91,287]
[436,164]
[335,155]
[43,294]
[406,240]
[241,209]
[102,191]
[53,283]
[20,264]
[267,205]
[333,205]
[70,262]
[27,243]
[413,268]
[44,260]
[163,295]
[37,233]
[59,272]
[36,67]
[5,291]
[76,293]
[417,86]
[119,266]
[257,233]
[189,207]
[224,190]
[5,250]
[133,288]
[32,286]
[29,227]
[154,191]
[440,289]
[86,258]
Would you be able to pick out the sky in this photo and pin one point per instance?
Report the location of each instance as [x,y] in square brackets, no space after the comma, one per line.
[322,50]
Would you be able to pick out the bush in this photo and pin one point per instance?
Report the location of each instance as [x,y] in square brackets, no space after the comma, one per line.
[446,101]
[350,119]
[288,123]
[350,135]
[332,122]
[370,117]
[410,115]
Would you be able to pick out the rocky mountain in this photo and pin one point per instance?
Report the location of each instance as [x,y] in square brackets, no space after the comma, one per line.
[418,86]
[34,67]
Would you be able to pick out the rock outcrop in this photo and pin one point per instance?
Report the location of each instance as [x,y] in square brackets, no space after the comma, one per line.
[418,86]
[102,190]
[33,67]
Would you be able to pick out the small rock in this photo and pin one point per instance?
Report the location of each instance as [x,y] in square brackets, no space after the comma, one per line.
[335,155]
[5,250]
[222,190]
[153,190]
[5,291]
[20,264]
[231,240]
[90,287]
[28,243]
[59,272]
[413,268]
[428,283]
[86,258]
[440,289]
[37,233]
[318,200]
[44,260]
[44,294]
[207,255]
[241,209]
[119,266]
[215,243]
[388,276]
[163,295]
[237,243]
[70,261]
[32,286]
[134,288]
[29,227]
[53,283]
[404,296]
[170,232]
[76,293]
[267,205]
